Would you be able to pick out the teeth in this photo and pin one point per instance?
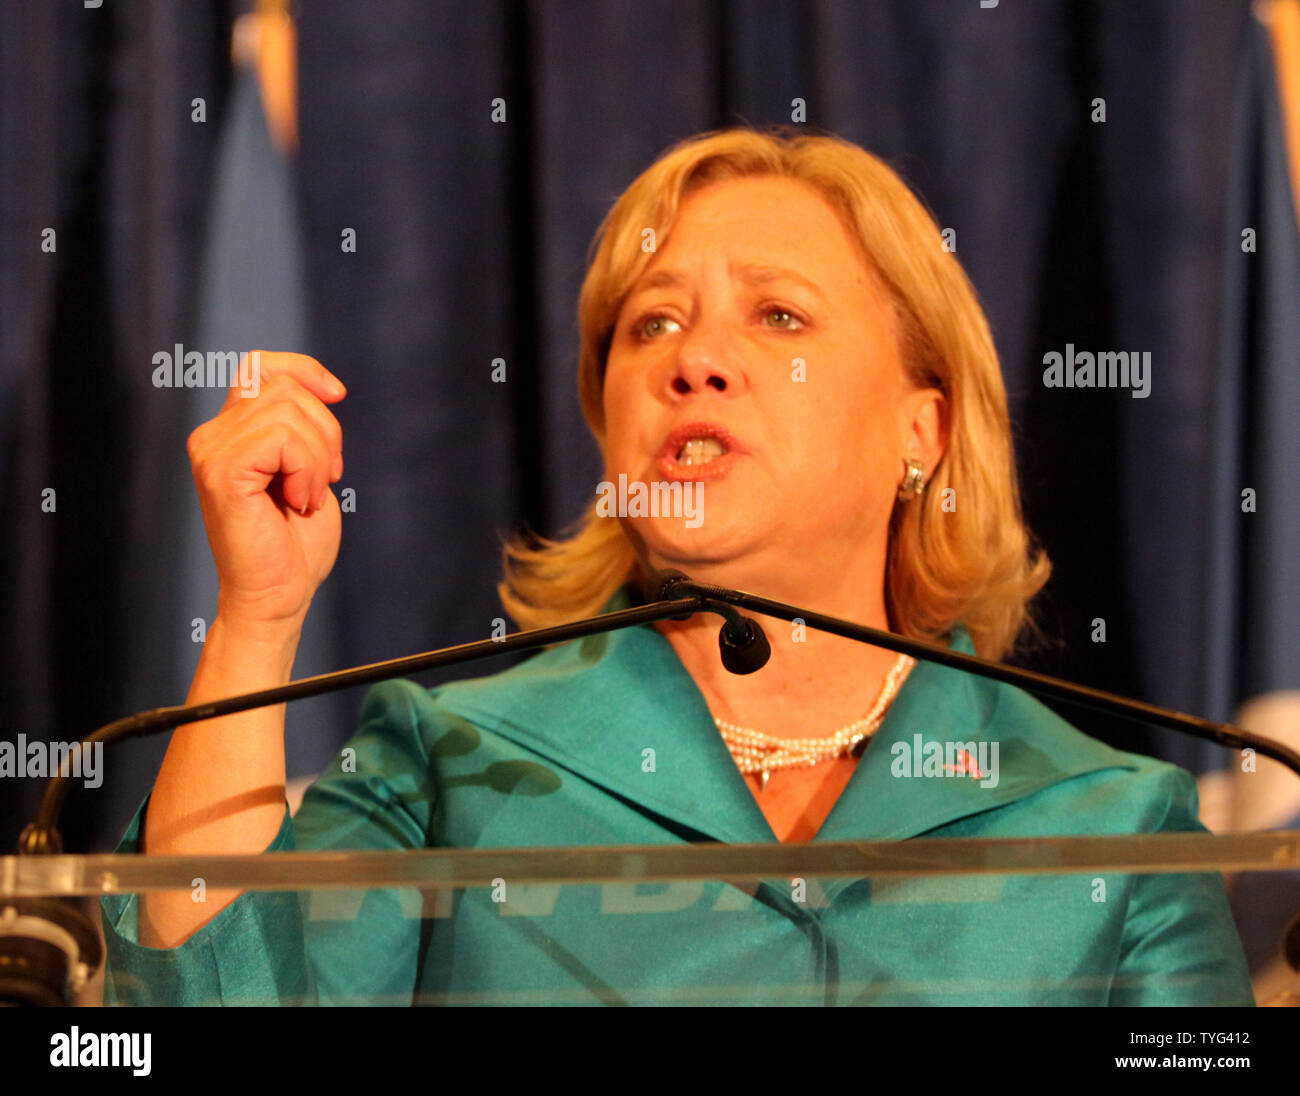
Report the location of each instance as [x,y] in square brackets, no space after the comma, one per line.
[700,451]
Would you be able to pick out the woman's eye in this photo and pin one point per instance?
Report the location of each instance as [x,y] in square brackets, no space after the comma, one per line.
[782,320]
[653,326]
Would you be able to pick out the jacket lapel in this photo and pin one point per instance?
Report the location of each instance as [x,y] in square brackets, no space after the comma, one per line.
[914,778]
[599,706]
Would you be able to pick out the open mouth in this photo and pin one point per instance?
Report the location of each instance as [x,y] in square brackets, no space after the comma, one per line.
[698,450]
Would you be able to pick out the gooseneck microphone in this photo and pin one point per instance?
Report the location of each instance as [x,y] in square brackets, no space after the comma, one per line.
[742,643]
[743,648]
[48,947]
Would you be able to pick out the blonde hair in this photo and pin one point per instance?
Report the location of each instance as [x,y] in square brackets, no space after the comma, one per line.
[971,564]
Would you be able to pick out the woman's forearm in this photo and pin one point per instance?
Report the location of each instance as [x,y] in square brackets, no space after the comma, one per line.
[221,786]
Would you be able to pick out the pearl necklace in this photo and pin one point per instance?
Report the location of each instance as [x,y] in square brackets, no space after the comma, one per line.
[756,752]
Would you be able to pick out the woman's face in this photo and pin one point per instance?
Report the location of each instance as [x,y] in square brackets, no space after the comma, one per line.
[756,358]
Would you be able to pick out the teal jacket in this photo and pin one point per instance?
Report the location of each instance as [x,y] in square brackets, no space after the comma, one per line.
[553,752]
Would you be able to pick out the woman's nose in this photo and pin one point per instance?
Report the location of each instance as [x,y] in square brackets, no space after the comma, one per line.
[706,361]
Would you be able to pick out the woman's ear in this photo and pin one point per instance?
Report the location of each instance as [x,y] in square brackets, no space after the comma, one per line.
[929,425]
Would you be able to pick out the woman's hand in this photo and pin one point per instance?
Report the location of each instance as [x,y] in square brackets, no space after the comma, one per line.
[262,468]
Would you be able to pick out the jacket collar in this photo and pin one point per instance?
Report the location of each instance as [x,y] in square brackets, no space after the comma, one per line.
[596,706]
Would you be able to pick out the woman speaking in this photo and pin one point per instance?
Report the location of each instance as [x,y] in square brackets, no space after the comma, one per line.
[773,324]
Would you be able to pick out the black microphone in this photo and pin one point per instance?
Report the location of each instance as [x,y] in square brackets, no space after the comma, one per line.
[48,947]
[659,585]
[742,643]
[744,647]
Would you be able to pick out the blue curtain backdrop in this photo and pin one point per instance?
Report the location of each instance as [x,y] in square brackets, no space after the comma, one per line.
[1253,581]
[470,241]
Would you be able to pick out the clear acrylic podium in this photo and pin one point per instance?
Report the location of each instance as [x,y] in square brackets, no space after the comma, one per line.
[921,921]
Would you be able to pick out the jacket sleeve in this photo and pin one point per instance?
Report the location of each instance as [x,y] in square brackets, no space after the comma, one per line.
[343,946]
[1180,944]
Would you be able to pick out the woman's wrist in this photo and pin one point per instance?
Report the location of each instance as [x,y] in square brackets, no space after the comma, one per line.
[262,651]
